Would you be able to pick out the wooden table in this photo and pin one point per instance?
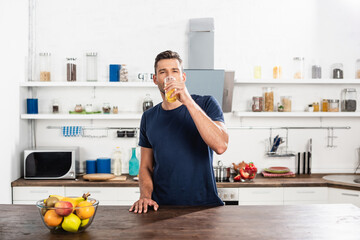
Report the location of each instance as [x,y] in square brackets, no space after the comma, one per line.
[338,221]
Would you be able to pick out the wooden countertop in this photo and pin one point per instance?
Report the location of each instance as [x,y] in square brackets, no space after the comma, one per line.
[314,180]
[323,221]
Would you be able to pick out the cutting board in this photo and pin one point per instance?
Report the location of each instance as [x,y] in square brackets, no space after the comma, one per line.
[118,178]
[98,177]
[278,175]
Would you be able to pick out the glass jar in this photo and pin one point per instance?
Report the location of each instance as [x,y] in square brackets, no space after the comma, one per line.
[277,72]
[257,104]
[286,103]
[348,100]
[257,72]
[269,99]
[123,73]
[334,105]
[147,103]
[91,67]
[45,66]
[337,71]
[316,71]
[71,69]
[357,69]
[325,105]
[115,110]
[316,107]
[55,106]
[88,108]
[78,108]
[299,68]
[106,108]
[310,108]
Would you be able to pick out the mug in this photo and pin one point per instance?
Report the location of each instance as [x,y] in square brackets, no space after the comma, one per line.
[146,77]
[90,166]
[32,106]
[114,72]
[103,165]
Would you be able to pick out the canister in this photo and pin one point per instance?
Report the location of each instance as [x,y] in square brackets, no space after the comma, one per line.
[71,69]
[337,71]
[348,100]
[299,67]
[91,66]
[269,99]
[103,165]
[357,69]
[45,66]
[333,105]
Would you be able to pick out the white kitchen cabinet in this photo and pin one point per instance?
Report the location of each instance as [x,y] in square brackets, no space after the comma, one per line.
[261,196]
[336,195]
[305,195]
[29,195]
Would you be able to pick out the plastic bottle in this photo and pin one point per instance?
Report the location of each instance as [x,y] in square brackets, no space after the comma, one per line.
[116,158]
[133,164]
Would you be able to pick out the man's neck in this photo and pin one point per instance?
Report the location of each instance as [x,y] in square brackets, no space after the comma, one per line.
[170,106]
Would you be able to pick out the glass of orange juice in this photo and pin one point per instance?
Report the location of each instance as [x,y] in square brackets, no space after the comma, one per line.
[168,93]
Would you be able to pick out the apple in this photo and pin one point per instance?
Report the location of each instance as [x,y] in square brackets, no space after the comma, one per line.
[71,223]
[63,208]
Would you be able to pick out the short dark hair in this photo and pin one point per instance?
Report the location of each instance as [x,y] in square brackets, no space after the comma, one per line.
[168,54]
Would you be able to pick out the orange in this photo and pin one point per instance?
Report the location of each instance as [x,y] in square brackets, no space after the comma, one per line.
[85,210]
[52,219]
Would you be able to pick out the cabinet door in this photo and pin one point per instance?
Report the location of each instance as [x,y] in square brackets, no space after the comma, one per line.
[305,195]
[337,195]
[261,196]
[99,193]
[29,195]
[127,194]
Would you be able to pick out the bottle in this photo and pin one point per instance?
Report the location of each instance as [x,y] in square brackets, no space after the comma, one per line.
[123,73]
[147,103]
[133,164]
[116,158]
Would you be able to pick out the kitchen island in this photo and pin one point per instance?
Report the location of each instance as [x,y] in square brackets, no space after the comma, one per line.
[323,221]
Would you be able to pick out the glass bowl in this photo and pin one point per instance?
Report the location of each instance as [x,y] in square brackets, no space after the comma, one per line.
[68,219]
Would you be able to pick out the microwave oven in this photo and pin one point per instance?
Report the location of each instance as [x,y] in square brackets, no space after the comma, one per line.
[51,163]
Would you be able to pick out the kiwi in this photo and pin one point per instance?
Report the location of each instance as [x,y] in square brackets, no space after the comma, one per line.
[50,202]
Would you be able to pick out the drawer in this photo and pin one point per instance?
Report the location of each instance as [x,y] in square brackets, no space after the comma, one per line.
[99,193]
[344,196]
[35,193]
[304,202]
[25,202]
[129,193]
[261,194]
[305,194]
[261,203]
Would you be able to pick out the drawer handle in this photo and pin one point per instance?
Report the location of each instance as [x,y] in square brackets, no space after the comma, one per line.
[306,192]
[261,192]
[350,194]
[39,191]
[137,192]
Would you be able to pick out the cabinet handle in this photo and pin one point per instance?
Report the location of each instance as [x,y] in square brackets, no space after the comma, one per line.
[97,191]
[306,192]
[39,191]
[261,192]
[350,194]
[137,192]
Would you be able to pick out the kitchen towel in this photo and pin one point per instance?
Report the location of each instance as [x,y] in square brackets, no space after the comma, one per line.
[72,131]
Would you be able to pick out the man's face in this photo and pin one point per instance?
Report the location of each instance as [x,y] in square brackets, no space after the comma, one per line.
[165,68]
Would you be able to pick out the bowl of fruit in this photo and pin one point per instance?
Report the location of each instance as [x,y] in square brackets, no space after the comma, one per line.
[246,172]
[67,214]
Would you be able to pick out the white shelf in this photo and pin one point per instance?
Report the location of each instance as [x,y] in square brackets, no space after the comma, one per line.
[120,116]
[297,114]
[299,81]
[87,84]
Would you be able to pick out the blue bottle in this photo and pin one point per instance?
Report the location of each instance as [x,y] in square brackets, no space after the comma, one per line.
[133,164]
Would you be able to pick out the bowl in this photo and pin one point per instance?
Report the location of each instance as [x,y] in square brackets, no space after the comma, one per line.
[68,219]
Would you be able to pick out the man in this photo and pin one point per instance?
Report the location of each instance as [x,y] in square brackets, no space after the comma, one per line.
[177,141]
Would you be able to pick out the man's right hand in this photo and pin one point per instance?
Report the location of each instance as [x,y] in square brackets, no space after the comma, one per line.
[142,205]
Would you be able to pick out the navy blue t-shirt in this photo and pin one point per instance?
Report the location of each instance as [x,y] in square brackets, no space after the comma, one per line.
[183,172]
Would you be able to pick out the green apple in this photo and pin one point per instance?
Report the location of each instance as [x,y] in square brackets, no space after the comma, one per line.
[84,222]
[71,223]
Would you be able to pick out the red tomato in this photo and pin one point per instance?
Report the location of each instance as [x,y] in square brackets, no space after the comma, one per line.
[237,178]
[244,175]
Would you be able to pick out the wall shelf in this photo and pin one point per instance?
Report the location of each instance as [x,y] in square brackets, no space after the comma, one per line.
[120,116]
[296,114]
[88,84]
[299,81]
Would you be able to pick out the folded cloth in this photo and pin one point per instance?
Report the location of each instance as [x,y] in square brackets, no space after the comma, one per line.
[72,131]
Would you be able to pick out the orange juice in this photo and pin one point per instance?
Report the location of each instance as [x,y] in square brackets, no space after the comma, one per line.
[168,94]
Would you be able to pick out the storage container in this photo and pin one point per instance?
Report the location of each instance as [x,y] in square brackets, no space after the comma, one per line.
[299,68]
[334,105]
[45,66]
[91,67]
[71,69]
[348,100]
[337,71]
[257,104]
[269,99]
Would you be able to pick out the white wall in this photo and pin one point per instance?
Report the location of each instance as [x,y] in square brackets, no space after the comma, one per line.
[246,32]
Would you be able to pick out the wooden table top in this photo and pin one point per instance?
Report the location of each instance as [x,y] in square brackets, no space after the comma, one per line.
[323,221]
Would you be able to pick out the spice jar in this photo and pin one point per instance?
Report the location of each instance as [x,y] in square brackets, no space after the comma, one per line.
[45,66]
[316,107]
[277,72]
[310,108]
[55,106]
[123,73]
[316,71]
[337,71]
[334,105]
[257,72]
[91,67]
[324,105]
[357,69]
[269,99]
[88,108]
[299,68]
[147,103]
[106,108]
[78,108]
[348,100]
[115,110]
[257,104]
[286,103]
[71,69]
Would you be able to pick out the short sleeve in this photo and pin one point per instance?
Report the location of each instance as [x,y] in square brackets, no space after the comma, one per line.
[213,110]
[143,140]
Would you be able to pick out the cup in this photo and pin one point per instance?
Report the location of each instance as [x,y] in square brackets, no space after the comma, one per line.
[32,106]
[114,70]
[145,77]
[168,93]
[103,165]
[90,166]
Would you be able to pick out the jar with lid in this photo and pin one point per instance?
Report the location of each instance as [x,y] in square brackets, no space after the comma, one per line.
[334,105]
[55,106]
[357,69]
[348,100]
[257,104]
[115,110]
[147,103]
[277,72]
[299,68]
[88,108]
[78,108]
[325,105]
[310,108]
[316,106]
[106,108]
[269,99]
[337,71]
[91,66]
[257,72]
[45,66]
[71,69]
[123,73]
[286,103]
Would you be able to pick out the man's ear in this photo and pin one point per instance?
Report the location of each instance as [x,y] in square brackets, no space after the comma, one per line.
[155,79]
[184,76]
